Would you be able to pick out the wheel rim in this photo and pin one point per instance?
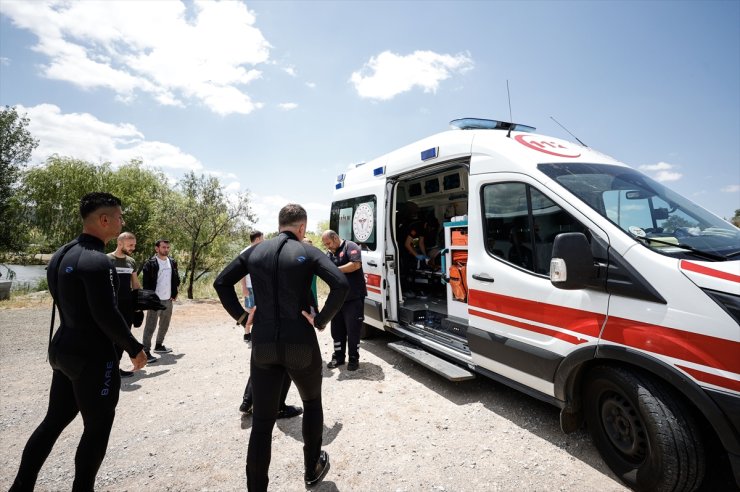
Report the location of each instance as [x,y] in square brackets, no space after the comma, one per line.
[623,426]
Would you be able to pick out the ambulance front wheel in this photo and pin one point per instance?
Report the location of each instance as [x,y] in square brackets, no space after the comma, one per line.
[644,432]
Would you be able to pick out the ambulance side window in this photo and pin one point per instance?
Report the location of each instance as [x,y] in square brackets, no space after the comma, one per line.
[356,219]
[521,224]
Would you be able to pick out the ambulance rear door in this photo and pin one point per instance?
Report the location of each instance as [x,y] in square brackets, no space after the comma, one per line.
[358,214]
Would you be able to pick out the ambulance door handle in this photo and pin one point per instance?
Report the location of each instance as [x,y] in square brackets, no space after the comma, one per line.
[372,263]
[483,277]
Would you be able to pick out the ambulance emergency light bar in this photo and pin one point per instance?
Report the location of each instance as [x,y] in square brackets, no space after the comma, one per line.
[483,124]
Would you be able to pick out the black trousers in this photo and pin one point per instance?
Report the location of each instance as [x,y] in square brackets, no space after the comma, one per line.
[269,365]
[91,389]
[346,327]
[286,387]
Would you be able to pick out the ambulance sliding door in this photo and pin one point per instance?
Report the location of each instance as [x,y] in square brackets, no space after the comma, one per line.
[521,326]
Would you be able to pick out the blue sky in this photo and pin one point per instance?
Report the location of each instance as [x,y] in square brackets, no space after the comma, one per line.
[278,98]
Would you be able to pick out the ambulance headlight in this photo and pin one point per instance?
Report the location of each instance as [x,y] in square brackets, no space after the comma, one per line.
[558,270]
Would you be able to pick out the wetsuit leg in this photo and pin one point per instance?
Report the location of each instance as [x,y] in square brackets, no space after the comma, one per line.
[355,315]
[267,378]
[96,392]
[62,410]
[304,367]
[339,334]
[248,391]
[284,392]
[164,321]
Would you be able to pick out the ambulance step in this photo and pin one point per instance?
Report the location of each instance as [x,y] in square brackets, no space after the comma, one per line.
[431,361]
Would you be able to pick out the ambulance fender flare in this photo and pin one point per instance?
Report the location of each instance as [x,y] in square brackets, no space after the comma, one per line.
[571,371]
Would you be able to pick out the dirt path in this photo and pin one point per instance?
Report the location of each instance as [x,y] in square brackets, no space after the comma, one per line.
[390,426]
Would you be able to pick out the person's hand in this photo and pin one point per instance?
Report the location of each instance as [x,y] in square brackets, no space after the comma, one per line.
[422,257]
[310,317]
[139,361]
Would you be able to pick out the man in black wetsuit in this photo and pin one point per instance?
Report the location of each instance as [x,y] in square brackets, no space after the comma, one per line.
[283,336]
[82,353]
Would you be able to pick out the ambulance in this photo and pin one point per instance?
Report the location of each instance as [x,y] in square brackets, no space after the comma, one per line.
[566,274]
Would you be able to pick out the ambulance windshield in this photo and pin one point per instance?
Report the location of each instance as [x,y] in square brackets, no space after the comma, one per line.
[648,211]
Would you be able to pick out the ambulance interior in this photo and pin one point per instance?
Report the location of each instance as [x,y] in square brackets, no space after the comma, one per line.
[435,207]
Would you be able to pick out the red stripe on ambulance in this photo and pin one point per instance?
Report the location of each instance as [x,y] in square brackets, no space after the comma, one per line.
[706,350]
[694,267]
[526,326]
[584,322]
[714,379]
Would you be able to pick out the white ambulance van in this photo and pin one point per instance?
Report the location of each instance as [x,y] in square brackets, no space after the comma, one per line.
[564,273]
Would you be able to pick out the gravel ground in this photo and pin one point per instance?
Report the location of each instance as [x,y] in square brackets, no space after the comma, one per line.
[390,426]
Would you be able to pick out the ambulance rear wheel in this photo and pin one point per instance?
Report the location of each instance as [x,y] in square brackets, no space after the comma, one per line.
[644,432]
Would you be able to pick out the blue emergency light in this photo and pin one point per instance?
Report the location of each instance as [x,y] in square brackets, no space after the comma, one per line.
[379,171]
[429,153]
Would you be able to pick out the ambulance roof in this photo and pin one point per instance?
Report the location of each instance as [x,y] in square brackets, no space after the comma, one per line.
[512,147]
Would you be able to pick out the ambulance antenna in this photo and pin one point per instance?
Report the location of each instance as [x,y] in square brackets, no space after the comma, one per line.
[511,118]
[561,126]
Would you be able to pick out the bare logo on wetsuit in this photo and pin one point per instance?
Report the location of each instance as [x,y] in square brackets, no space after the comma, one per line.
[106,381]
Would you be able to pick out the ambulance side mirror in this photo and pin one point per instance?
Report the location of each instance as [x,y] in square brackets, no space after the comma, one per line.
[572,264]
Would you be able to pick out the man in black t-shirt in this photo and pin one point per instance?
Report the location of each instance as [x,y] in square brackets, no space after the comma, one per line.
[126,269]
[347,324]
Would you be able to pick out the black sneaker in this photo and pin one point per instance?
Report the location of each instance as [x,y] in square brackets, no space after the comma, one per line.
[316,475]
[334,362]
[150,359]
[246,407]
[161,349]
[126,374]
[289,412]
[353,365]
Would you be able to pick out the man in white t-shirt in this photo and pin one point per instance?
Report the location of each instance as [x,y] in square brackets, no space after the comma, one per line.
[161,276]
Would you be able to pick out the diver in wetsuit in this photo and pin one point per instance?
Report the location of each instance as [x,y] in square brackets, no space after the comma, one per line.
[283,336]
[82,353]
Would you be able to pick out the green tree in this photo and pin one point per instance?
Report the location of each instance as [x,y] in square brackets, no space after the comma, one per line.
[208,222]
[142,192]
[16,146]
[51,195]
[736,219]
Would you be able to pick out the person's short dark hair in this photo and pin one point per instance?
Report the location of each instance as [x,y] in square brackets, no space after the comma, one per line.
[292,214]
[91,202]
[254,235]
[159,241]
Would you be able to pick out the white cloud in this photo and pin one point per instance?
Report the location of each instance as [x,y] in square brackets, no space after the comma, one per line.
[730,189]
[83,136]
[662,171]
[207,55]
[388,74]
[4,61]
[267,207]
[287,106]
[311,85]
[290,71]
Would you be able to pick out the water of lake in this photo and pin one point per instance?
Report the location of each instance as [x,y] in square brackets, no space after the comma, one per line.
[25,274]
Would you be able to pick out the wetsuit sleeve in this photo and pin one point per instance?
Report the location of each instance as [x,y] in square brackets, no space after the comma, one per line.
[224,284]
[100,291]
[338,285]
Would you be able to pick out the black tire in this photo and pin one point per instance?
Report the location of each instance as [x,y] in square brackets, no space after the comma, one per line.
[646,434]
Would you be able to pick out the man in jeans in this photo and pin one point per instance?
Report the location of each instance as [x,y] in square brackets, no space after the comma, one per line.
[161,276]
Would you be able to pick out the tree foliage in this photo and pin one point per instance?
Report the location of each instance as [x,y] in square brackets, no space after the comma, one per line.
[16,146]
[208,222]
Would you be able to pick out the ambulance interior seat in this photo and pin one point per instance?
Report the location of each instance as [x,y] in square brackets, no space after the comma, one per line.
[497,237]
